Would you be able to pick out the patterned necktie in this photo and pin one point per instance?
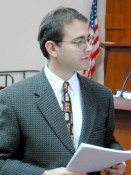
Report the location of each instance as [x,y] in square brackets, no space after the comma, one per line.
[67,109]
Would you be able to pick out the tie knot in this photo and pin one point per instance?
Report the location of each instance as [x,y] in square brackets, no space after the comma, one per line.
[66,85]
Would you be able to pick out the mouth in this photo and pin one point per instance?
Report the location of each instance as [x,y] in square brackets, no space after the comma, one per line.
[85,58]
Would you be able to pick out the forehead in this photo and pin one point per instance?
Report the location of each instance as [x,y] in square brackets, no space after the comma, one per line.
[75,29]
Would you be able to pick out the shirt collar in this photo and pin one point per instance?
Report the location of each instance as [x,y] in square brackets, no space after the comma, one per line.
[52,77]
[73,81]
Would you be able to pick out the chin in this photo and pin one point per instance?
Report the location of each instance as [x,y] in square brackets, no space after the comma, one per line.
[85,67]
[82,69]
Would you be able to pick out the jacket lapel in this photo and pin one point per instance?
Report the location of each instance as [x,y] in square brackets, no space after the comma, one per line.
[48,105]
[89,107]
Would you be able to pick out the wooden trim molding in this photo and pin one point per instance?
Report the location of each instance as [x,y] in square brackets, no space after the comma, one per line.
[122,103]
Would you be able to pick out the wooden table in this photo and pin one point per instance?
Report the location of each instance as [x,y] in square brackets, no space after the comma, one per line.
[123,126]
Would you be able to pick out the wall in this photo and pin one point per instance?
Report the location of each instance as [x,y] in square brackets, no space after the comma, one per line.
[20,20]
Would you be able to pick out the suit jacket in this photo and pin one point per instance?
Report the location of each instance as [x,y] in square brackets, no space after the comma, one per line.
[33,132]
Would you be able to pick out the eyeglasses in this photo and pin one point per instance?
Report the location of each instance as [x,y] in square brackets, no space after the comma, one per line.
[81,43]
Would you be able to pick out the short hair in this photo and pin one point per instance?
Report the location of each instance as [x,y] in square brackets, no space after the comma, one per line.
[52,26]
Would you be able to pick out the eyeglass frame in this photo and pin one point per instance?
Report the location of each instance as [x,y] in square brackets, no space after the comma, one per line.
[81,44]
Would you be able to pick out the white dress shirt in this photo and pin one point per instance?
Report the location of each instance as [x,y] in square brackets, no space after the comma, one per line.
[75,94]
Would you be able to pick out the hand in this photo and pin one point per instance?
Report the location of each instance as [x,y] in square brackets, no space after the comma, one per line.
[62,171]
[118,169]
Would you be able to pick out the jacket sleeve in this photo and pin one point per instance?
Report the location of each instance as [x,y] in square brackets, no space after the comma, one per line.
[10,164]
[110,140]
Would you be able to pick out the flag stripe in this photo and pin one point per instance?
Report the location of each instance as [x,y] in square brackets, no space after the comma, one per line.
[93,30]
[96,28]
[96,40]
[96,54]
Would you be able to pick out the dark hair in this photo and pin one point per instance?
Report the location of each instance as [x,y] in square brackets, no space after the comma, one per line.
[52,25]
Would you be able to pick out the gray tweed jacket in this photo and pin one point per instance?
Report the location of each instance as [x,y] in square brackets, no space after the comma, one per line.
[33,133]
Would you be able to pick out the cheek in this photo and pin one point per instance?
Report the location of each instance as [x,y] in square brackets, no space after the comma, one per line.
[69,55]
[69,59]
[74,54]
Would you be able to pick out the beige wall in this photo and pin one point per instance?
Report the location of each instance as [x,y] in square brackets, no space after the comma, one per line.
[20,19]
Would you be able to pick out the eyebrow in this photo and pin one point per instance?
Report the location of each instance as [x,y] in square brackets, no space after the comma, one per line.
[79,37]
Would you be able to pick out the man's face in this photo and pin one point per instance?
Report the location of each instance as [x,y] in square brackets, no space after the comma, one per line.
[71,56]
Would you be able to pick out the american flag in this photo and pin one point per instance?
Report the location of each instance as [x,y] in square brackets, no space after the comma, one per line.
[93,30]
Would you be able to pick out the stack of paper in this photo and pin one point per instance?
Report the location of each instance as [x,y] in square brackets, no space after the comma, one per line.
[90,158]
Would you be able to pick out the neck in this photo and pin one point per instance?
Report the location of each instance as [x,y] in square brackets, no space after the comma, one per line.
[63,74]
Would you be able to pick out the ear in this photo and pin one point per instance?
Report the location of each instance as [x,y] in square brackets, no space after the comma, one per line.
[51,48]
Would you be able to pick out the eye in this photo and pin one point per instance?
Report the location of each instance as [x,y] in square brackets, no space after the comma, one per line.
[80,42]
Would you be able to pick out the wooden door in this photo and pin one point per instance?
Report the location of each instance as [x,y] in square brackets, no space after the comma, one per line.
[118,30]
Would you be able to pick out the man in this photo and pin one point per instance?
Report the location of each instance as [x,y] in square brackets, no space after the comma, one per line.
[34,139]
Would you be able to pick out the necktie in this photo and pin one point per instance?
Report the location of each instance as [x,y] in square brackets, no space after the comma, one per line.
[67,109]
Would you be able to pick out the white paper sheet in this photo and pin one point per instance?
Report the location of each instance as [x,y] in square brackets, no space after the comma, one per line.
[90,158]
